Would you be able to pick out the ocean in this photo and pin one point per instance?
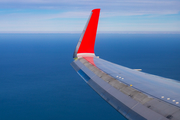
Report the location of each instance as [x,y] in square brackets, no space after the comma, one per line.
[38,83]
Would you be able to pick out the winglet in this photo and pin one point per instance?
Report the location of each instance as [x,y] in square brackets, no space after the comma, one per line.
[85,46]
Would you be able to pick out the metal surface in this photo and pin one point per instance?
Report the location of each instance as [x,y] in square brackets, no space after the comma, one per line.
[159,87]
[131,102]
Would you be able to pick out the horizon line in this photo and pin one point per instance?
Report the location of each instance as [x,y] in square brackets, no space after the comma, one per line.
[115,32]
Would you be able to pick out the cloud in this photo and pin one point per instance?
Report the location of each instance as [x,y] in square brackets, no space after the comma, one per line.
[71,15]
[115,7]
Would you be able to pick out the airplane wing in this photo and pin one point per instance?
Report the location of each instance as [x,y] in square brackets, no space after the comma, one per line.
[136,95]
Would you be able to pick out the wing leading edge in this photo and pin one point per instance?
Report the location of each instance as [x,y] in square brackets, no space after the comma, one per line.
[136,95]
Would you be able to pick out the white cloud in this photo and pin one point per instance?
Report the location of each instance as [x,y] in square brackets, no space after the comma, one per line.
[122,7]
[71,15]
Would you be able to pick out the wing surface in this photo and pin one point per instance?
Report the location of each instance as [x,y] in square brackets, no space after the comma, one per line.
[136,95]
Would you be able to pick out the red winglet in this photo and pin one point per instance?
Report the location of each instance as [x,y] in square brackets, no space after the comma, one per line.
[87,40]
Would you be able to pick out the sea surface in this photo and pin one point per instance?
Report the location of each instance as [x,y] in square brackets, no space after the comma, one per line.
[38,83]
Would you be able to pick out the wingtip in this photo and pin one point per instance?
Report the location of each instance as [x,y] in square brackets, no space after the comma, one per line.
[96,9]
[86,42]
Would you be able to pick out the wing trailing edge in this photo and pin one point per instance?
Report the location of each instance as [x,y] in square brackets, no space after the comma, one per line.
[85,46]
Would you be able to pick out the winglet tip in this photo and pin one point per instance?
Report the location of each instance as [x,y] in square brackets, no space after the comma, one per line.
[86,42]
[96,9]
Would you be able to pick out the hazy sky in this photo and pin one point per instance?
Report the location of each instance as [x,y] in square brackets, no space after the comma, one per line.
[71,15]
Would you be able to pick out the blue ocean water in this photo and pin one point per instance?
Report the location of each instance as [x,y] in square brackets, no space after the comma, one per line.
[38,83]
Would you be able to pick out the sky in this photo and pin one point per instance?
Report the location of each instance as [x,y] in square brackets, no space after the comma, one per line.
[71,15]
